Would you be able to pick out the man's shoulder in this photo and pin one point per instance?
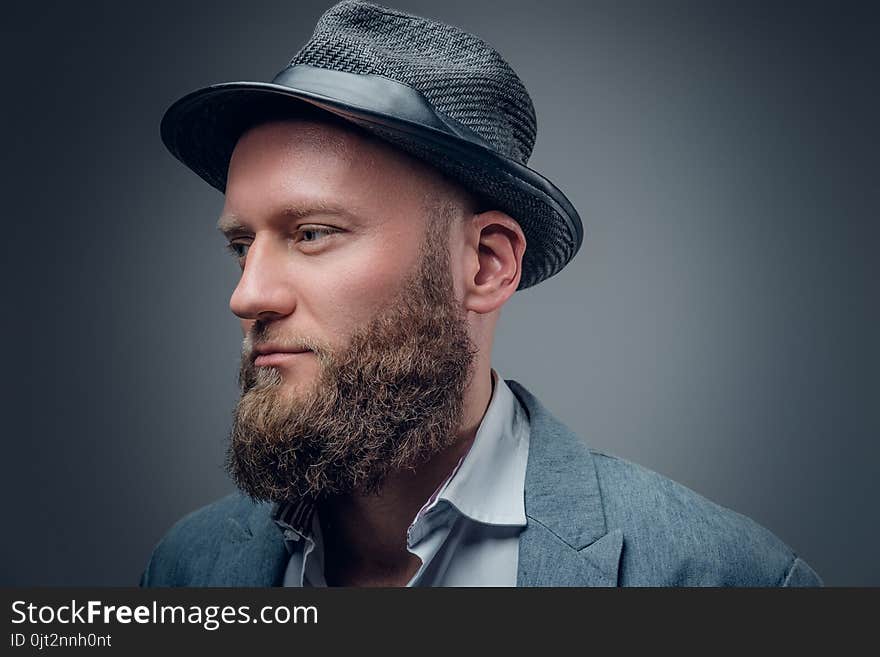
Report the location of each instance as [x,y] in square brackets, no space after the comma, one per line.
[205,523]
[672,535]
[675,536]
[192,545]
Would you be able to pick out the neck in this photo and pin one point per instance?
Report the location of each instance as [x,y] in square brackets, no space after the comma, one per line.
[365,535]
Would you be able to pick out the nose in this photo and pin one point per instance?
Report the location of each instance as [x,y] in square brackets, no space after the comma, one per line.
[264,290]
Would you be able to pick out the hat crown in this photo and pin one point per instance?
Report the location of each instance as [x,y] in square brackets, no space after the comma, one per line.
[462,77]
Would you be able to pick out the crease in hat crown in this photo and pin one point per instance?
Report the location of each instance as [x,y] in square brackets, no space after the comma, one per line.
[462,76]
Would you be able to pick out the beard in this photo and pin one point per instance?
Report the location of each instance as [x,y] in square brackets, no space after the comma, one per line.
[389,401]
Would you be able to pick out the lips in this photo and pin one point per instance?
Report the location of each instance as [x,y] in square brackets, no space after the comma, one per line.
[274,358]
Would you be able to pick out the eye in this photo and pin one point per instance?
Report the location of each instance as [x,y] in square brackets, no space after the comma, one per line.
[238,249]
[314,233]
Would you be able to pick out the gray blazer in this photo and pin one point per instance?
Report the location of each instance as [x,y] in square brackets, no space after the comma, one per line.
[592,520]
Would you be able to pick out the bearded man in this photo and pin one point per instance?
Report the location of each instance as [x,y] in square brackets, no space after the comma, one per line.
[378,202]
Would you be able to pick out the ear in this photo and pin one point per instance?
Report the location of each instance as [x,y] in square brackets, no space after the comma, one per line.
[497,244]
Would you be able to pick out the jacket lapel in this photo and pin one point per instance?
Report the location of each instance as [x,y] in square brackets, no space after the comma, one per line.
[253,553]
[566,541]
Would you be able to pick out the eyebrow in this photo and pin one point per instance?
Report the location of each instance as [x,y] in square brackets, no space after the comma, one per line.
[230,223]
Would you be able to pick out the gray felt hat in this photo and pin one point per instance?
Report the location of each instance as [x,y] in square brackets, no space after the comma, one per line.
[430,89]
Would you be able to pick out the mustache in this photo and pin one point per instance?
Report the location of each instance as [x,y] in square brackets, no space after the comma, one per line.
[250,376]
[257,338]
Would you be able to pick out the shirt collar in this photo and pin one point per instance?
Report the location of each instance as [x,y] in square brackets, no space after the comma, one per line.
[486,486]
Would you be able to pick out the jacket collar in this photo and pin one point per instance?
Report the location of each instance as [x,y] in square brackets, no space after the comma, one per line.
[566,541]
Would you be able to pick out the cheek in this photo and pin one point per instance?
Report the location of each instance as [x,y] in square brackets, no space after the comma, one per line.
[355,292]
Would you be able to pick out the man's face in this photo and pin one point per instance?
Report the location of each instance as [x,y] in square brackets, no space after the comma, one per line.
[356,353]
[330,224]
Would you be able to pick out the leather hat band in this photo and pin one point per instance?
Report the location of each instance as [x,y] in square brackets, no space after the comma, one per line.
[373,94]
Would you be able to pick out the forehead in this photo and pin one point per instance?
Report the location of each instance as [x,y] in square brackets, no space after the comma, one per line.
[293,165]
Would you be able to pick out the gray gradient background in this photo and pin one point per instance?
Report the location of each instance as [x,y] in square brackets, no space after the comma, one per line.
[719,325]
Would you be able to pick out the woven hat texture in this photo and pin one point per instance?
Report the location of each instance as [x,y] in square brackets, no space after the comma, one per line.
[461,75]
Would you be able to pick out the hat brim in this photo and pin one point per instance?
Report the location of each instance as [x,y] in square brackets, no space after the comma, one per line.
[202,128]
